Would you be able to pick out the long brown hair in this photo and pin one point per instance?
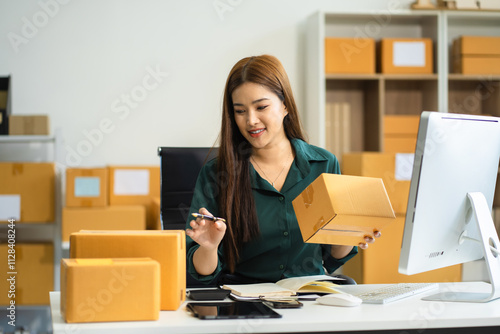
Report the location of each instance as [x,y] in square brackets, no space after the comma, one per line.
[235,194]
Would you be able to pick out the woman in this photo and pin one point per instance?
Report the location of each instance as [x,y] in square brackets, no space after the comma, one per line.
[263,164]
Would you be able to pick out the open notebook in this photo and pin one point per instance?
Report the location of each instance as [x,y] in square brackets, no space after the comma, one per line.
[286,287]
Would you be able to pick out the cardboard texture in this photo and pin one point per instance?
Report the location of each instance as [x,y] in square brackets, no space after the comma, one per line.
[35,183]
[406,56]
[400,133]
[476,55]
[34,265]
[350,55]
[156,208]
[342,209]
[379,265]
[131,217]
[135,185]
[166,247]
[382,165]
[95,290]
[29,125]
[86,187]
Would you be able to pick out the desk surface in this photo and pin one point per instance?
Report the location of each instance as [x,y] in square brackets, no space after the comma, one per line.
[409,313]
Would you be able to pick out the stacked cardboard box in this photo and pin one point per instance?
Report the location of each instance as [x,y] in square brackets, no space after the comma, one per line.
[87,204]
[476,55]
[166,247]
[118,289]
[34,274]
[368,268]
[400,133]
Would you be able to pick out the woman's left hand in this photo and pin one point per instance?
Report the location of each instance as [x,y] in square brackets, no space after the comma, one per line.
[369,240]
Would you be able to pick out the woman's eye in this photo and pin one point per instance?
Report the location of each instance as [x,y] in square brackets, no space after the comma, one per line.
[261,107]
[239,111]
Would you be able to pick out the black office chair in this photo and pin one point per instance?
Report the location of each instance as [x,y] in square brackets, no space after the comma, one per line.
[179,170]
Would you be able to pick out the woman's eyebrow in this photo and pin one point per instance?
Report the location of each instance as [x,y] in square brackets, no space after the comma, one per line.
[253,102]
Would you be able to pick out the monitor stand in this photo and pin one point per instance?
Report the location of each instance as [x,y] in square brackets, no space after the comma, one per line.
[490,245]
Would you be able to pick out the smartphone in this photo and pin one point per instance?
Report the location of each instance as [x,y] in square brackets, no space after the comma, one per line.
[282,303]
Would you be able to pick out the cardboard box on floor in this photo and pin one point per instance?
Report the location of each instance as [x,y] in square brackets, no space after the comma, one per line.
[166,247]
[379,264]
[382,165]
[119,217]
[121,289]
[342,209]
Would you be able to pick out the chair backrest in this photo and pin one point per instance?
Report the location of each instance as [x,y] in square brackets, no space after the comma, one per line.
[180,167]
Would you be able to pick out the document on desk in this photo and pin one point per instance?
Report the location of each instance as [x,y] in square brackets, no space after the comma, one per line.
[286,287]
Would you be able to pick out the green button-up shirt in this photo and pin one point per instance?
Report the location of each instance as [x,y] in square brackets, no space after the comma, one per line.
[279,251]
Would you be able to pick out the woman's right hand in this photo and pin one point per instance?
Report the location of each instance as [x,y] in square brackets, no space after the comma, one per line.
[208,234]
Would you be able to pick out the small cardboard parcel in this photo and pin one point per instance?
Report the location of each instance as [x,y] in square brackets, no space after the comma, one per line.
[342,209]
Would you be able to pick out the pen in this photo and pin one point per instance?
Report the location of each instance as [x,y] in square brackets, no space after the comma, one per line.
[199,215]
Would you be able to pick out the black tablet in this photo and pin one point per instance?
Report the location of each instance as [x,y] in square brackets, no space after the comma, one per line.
[231,310]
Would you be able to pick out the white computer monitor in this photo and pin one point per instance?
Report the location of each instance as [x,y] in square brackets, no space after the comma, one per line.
[448,219]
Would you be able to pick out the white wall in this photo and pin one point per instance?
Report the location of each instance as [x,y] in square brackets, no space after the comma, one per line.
[89,64]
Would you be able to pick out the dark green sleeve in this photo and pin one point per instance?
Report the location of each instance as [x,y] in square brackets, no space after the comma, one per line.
[205,195]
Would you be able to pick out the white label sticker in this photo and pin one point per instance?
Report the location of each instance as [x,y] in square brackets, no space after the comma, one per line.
[404,166]
[409,54]
[131,182]
[10,207]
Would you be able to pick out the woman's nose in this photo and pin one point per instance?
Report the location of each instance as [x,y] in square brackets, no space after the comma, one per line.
[252,117]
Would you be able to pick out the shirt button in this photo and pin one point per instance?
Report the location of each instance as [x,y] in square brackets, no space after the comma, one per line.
[285,233]
[282,266]
[281,198]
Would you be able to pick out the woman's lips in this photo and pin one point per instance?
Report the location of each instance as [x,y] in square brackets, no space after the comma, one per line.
[256,133]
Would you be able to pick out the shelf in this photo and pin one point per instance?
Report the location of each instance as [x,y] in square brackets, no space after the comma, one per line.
[473,77]
[26,139]
[380,76]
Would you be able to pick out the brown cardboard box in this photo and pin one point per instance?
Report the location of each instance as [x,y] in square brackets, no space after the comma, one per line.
[476,55]
[94,290]
[398,56]
[130,217]
[135,185]
[35,183]
[342,209]
[400,133]
[156,207]
[476,64]
[350,55]
[383,165]
[29,125]
[34,274]
[379,264]
[400,144]
[86,187]
[166,247]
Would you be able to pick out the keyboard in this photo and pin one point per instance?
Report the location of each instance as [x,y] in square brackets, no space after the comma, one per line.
[395,292]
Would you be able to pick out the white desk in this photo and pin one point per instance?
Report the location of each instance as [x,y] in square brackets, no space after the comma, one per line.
[410,313]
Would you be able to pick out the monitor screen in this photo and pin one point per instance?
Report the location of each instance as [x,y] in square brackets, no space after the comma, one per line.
[456,155]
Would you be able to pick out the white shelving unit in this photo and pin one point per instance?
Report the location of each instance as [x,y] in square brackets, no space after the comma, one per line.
[38,149]
[374,95]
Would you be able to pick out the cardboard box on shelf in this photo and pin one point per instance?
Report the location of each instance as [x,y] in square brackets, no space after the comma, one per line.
[29,125]
[394,169]
[156,207]
[130,217]
[406,56]
[166,247]
[34,265]
[86,187]
[135,185]
[368,268]
[342,209]
[120,289]
[476,55]
[350,55]
[34,185]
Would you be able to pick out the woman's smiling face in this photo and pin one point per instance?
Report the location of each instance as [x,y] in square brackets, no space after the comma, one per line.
[259,115]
